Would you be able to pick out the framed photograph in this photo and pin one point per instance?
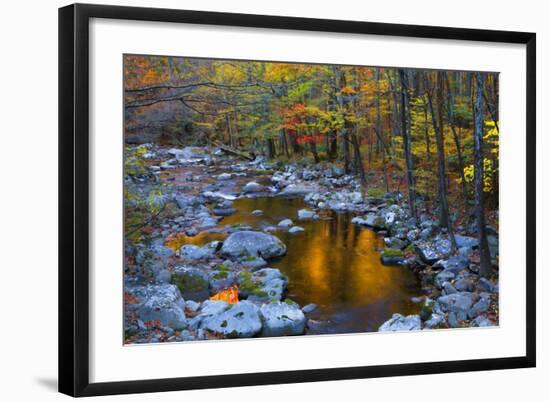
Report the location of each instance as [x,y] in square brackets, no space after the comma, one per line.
[250,199]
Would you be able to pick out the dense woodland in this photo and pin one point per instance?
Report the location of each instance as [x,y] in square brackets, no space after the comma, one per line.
[432,135]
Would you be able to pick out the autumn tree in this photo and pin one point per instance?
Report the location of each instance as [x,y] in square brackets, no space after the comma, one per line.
[484,254]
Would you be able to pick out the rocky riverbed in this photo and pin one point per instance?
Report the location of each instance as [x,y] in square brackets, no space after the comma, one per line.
[220,260]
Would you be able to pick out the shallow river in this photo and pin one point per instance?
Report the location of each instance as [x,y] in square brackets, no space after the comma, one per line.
[333,264]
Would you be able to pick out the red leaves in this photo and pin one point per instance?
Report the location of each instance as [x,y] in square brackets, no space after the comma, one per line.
[310,138]
[130,299]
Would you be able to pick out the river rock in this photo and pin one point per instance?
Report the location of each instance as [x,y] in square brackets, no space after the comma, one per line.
[282,319]
[223,211]
[459,303]
[457,263]
[370,220]
[427,252]
[399,322]
[257,212]
[443,247]
[165,304]
[464,241]
[299,189]
[224,176]
[481,321]
[485,285]
[186,201]
[285,223]
[192,305]
[220,280]
[434,321]
[263,285]
[305,214]
[253,186]
[395,243]
[192,282]
[240,321]
[194,252]
[464,284]
[270,291]
[268,274]
[189,154]
[443,277]
[253,263]
[390,218]
[309,308]
[479,307]
[163,277]
[161,251]
[253,243]
[296,229]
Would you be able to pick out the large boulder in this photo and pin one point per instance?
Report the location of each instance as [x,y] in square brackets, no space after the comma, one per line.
[282,319]
[194,252]
[240,321]
[208,311]
[264,285]
[163,303]
[253,243]
[399,322]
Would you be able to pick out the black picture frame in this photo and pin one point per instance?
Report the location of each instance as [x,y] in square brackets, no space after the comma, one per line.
[74,198]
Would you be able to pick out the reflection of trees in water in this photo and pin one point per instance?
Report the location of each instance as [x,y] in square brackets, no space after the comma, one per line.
[334,264]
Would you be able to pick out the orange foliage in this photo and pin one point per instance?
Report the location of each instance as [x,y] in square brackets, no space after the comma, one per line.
[229,295]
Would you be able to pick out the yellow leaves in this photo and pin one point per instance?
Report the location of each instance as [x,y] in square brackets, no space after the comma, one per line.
[488,171]
[229,295]
[230,73]
[348,90]
[176,241]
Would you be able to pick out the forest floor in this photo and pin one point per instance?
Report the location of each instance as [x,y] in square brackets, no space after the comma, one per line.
[208,264]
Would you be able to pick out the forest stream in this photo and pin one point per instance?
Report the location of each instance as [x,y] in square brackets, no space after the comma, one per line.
[333,264]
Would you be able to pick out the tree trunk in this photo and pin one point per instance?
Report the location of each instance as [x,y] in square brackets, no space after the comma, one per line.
[313,149]
[444,218]
[406,133]
[333,145]
[357,159]
[456,138]
[484,254]
[270,146]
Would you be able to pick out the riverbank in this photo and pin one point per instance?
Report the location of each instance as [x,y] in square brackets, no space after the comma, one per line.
[169,278]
